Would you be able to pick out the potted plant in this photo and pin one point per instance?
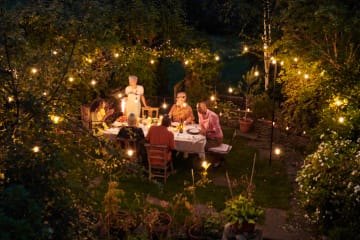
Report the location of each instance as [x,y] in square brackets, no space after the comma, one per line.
[158,223]
[249,86]
[242,213]
[208,225]
[116,222]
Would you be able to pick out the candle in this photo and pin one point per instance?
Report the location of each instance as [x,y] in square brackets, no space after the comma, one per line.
[192,175]
[123,105]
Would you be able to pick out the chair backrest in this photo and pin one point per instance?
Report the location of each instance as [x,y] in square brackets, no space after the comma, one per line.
[86,116]
[152,112]
[131,147]
[157,154]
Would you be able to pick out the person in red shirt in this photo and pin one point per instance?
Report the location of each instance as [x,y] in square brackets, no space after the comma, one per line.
[160,135]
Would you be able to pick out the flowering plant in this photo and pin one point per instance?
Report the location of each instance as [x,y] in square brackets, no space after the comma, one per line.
[329,183]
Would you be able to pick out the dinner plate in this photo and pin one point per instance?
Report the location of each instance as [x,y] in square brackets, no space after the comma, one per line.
[193,131]
[175,124]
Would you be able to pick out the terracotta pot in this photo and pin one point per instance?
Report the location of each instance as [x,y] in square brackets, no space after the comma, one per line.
[195,233]
[245,124]
[162,226]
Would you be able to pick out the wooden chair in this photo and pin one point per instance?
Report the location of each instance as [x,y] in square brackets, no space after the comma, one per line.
[131,148]
[152,112]
[159,164]
[86,116]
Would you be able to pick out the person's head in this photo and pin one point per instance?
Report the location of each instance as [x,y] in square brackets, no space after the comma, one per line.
[166,121]
[201,107]
[180,98]
[131,120]
[133,80]
[97,104]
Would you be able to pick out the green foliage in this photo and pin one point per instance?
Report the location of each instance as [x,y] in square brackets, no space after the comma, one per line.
[242,209]
[329,183]
[20,215]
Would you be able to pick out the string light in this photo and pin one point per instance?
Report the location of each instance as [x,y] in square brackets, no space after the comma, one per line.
[44,93]
[152,61]
[10,99]
[186,62]
[164,105]
[277,151]
[130,152]
[246,49]
[120,95]
[341,119]
[287,128]
[55,52]
[217,58]
[71,79]
[296,59]
[230,90]
[212,98]
[55,119]
[36,149]
[34,70]
[299,72]
[116,55]
[93,82]
[306,76]
[256,73]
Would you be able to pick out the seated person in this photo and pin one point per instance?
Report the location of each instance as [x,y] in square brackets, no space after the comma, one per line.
[131,131]
[181,111]
[134,133]
[99,114]
[210,127]
[160,135]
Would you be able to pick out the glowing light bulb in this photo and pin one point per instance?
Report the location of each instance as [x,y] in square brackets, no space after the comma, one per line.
[44,93]
[299,72]
[55,52]
[120,95]
[296,59]
[36,149]
[164,105]
[55,119]
[306,76]
[130,152]
[152,61]
[217,58]
[341,119]
[116,55]
[246,49]
[93,82]
[34,70]
[287,128]
[186,62]
[273,61]
[10,99]
[212,98]
[282,63]
[230,90]
[277,151]
[256,73]
[205,165]
[71,79]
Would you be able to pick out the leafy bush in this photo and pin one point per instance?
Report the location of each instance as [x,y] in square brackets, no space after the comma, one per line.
[329,183]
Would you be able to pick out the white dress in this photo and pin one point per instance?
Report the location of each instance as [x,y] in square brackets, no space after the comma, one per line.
[133,102]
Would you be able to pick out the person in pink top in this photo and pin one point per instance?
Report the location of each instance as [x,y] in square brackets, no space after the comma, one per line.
[160,135]
[210,127]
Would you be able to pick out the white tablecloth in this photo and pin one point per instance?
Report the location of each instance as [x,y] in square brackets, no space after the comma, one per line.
[184,142]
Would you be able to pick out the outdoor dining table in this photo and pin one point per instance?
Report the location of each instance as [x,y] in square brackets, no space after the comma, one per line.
[189,141]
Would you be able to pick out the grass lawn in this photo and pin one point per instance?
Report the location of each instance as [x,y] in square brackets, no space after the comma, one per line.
[272,187]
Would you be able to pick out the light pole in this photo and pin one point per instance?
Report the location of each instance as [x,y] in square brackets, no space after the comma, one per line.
[273,111]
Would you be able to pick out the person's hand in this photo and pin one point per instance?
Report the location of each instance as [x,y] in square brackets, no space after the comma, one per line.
[110,111]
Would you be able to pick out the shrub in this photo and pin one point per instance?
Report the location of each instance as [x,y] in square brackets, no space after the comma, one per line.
[329,184]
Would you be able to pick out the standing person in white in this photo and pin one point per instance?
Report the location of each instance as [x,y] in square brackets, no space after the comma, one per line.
[135,95]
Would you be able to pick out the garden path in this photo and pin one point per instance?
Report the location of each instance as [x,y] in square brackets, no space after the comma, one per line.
[280,224]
